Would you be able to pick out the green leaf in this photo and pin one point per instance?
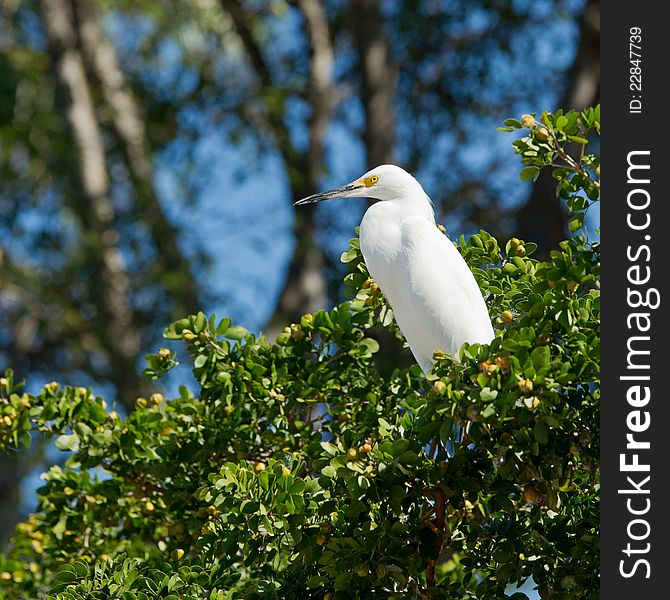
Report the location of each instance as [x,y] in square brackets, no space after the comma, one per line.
[529,173]
[68,442]
[541,432]
[236,332]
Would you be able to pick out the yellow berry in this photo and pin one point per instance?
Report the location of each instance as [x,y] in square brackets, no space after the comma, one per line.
[525,385]
[352,453]
[178,553]
[542,134]
[528,120]
[507,317]
[503,362]
[439,387]
[149,506]
[259,467]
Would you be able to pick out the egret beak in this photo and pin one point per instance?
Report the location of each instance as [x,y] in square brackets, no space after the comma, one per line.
[339,192]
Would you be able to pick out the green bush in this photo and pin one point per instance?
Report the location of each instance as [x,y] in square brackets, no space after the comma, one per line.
[298,471]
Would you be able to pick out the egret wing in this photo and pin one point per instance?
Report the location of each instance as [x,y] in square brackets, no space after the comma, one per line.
[442,305]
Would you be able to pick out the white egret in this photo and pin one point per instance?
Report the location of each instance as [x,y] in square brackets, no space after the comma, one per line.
[434,296]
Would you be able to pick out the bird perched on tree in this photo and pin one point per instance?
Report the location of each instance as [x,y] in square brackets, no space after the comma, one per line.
[434,296]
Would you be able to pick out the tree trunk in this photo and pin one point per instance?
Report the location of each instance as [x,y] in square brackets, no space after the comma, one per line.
[170,266]
[109,286]
[378,78]
[543,219]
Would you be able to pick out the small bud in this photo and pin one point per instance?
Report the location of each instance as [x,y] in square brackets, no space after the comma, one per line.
[178,554]
[113,415]
[531,403]
[507,316]
[229,409]
[503,362]
[7,576]
[7,420]
[441,228]
[4,382]
[321,540]
[572,286]
[298,334]
[542,134]
[352,454]
[164,353]
[187,335]
[141,403]
[149,506]
[366,448]
[259,467]
[520,250]
[526,386]
[528,121]
[439,387]
[156,398]
[52,387]
[285,471]
[373,287]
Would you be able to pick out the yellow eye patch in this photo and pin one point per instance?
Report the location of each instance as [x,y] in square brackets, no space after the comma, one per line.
[369,181]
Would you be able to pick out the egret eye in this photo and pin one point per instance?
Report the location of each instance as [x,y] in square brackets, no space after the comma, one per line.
[368,181]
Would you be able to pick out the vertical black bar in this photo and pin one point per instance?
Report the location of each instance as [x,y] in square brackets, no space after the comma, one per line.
[635,407]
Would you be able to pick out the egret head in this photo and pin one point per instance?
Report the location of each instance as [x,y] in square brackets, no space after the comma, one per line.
[386,182]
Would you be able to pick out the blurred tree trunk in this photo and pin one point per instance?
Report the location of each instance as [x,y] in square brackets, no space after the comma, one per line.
[378,79]
[169,267]
[305,287]
[543,218]
[109,286]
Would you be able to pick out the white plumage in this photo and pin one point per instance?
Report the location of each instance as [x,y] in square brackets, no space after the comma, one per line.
[434,296]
